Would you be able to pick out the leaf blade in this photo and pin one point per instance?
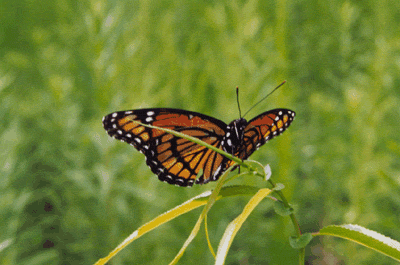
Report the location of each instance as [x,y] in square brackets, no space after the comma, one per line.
[236,224]
[365,237]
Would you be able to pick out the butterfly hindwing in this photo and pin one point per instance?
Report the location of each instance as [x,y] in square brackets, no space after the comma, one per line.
[175,160]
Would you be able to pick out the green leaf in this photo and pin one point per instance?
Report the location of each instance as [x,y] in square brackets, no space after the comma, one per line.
[365,237]
[236,224]
[255,167]
[201,172]
[281,209]
[213,197]
[236,190]
[300,242]
[185,207]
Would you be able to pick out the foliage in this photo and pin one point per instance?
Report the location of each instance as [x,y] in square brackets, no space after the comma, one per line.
[70,194]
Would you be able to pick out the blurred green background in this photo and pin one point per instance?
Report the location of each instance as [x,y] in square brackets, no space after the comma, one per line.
[70,194]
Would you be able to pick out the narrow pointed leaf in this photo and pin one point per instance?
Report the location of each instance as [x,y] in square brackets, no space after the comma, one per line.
[366,237]
[212,199]
[236,224]
[185,207]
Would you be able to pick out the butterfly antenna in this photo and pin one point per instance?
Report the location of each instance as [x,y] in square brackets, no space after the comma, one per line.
[265,97]
[237,99]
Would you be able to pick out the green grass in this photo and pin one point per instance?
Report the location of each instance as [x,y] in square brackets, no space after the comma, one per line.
[66,64]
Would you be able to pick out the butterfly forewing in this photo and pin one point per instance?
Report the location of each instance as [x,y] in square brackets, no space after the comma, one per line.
[175,160]
[263,128]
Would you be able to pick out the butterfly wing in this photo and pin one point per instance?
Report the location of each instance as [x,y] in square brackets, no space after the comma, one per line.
[175,160]
[263,128]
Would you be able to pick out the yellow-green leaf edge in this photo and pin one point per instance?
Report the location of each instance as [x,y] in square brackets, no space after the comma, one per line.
[365,237]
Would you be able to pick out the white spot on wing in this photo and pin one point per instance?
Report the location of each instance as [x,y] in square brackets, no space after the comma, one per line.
[114,115]
[149,119]
[150,113]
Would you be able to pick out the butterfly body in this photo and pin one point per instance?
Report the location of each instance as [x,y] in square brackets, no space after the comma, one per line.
[178,161]
[233,138]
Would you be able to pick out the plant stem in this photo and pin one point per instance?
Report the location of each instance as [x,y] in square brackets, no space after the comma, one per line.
[294,221]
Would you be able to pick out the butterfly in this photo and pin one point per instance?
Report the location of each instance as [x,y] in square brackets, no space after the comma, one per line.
[181,162]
